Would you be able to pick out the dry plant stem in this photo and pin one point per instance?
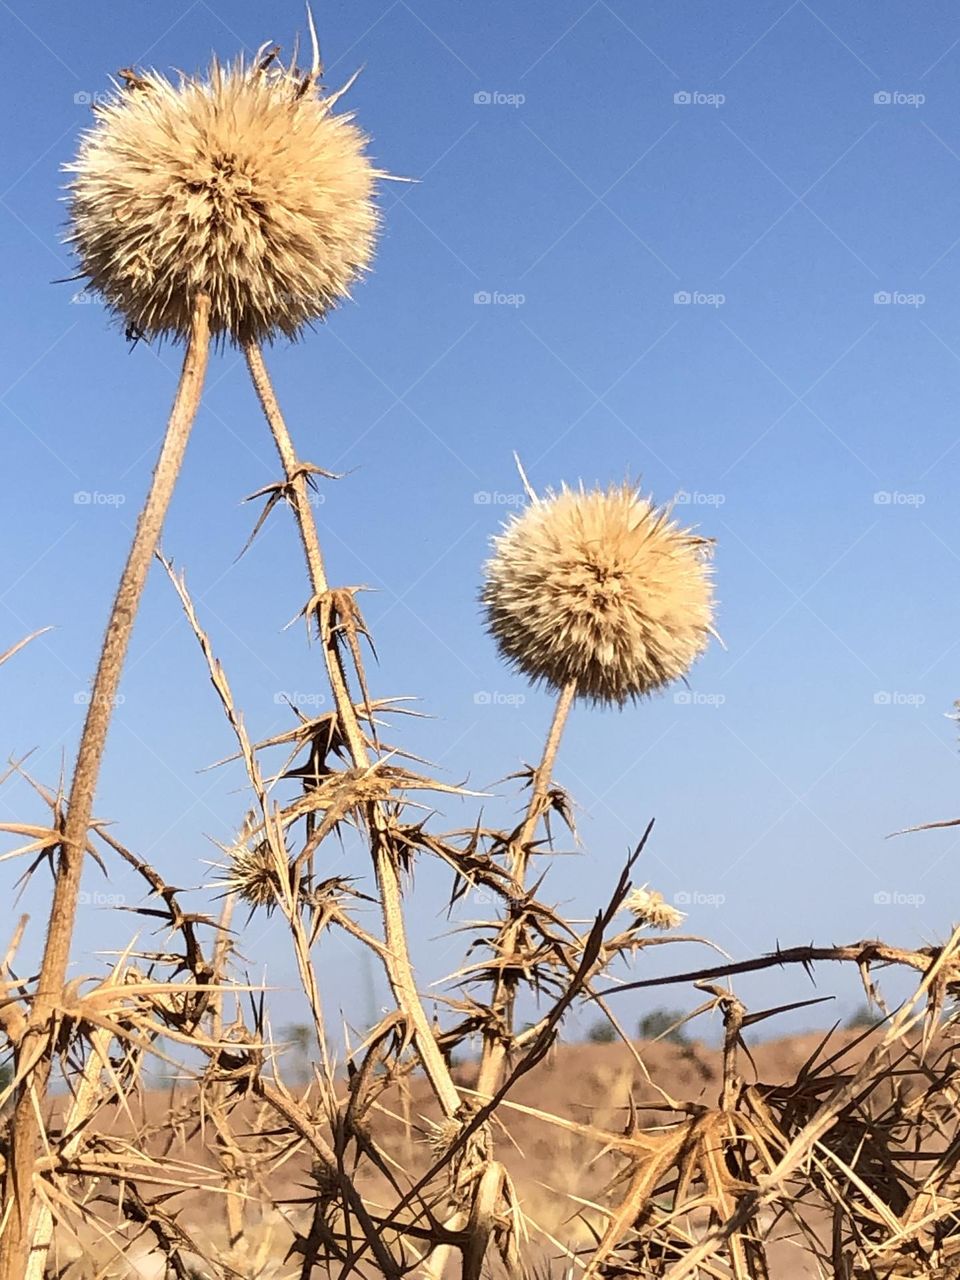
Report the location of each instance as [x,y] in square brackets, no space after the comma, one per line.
[541,784]
[397,957]
[287,901]
[285,1107]
[25,1130]
[87,1097]
[494,1042]
[226,1148]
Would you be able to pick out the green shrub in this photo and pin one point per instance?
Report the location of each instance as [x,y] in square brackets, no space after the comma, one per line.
[660,1024]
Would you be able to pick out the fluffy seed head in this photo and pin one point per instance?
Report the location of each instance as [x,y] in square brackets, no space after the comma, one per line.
[243,184]
[649,908]
[601,589]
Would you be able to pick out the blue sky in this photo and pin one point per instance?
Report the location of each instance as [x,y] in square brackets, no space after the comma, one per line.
[719,249]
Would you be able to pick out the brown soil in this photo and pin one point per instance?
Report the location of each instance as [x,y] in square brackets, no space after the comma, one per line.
[553,1168]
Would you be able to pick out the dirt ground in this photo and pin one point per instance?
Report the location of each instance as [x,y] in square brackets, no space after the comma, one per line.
[554,1169]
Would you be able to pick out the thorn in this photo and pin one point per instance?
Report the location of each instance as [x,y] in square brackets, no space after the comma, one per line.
[317,65]
[528,488]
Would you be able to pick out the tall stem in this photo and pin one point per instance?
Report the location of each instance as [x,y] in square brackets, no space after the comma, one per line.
[496,1038]
[397,956]
[36,1049]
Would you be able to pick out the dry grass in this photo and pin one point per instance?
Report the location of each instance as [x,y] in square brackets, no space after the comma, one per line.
[566,1182]
[842,1163]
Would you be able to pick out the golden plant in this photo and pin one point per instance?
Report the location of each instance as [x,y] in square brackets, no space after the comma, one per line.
[244,185]
[403,1162]
[599,590]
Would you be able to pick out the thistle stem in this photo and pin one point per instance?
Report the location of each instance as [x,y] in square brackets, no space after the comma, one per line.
[496,1039]
[35,1050]
[541,783]
[397,954]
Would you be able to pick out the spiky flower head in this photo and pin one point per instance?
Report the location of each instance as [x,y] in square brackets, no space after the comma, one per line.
[254,874]
[601,589]
[442,1134]
[243,184]
[649,908]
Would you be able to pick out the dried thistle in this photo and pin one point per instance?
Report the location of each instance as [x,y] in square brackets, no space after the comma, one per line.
[600,590]
[253,874]
[649,908]
[240,185]
[442,1134]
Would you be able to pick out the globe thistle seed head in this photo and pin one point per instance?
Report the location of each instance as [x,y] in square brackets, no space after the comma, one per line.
[243,184]
[601,589]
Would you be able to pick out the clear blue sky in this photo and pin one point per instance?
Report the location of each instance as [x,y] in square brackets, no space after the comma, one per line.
[784,198]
